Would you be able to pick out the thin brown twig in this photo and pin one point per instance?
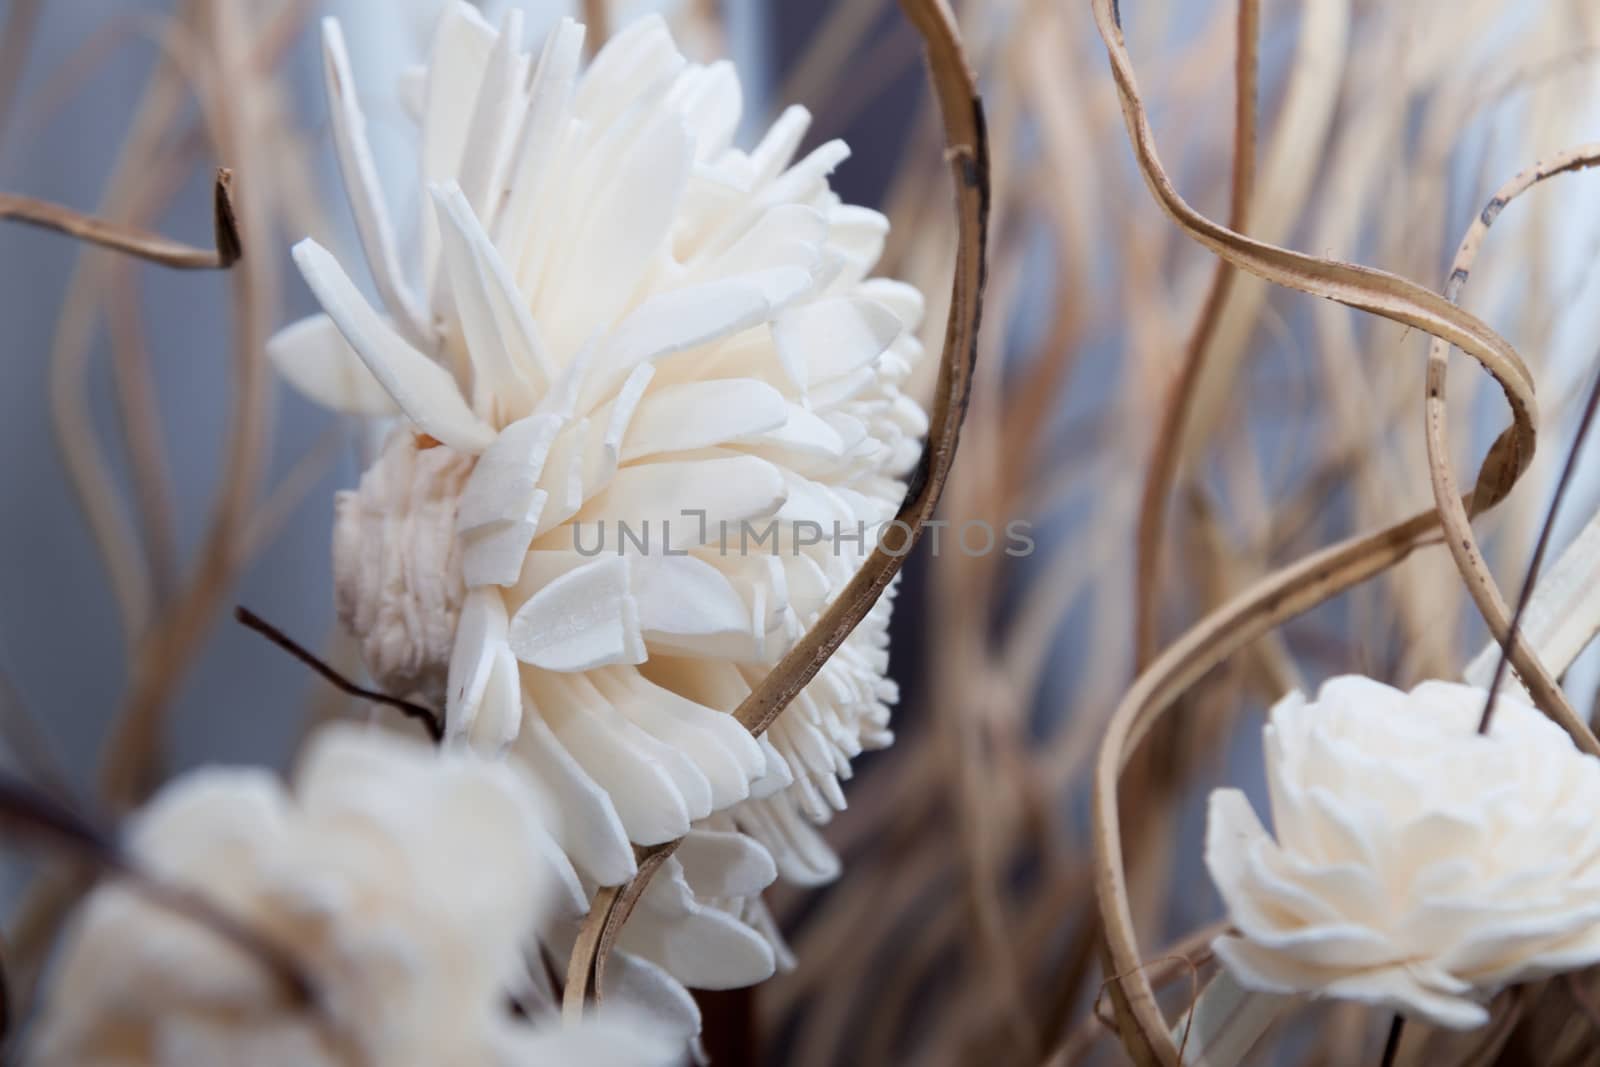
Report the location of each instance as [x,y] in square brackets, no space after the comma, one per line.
[426,716]
[291,492]
[597,24]
[1563,483]
[142,425]
[1510,455]
[1391,1044]
[130,765]
[1181,394]
[16,35]
[137,242]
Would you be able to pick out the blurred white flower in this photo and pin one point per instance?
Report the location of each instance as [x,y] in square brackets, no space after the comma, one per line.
[357,875]
[1416,864]
[617,319]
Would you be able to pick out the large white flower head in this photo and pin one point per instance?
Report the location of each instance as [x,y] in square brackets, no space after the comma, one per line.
[653,424]
[1414,863]
[356,876]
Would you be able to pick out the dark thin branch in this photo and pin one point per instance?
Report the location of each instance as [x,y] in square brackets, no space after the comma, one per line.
[136,242]
[1391,1045]
[427,716]
[1568,469]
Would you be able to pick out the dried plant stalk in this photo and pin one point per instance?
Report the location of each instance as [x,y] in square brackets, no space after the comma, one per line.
[967,153]
[597,24]
[1455,513]
[136,242]
[130,764]
[1182,392]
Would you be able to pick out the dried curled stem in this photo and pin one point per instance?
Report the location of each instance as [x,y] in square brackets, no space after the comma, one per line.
[967,152]
[596,24]
[1179,402]
[966,149]
[1456,514]
[1303,585]
[137,242]
[612,906]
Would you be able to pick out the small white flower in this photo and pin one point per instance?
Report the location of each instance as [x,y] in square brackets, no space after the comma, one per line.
[617,318]
[1416,864]
[357,875]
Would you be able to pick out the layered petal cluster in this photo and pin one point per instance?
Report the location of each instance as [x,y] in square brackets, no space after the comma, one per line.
[357,876]
[652,424]
[1413,862]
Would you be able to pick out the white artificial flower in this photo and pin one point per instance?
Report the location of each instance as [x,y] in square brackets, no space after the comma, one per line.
[615,317]
[1414,863]
[357,876]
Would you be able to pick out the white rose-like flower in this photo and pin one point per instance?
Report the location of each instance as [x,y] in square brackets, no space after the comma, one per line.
[357,876]
[617,318]
[1414,863]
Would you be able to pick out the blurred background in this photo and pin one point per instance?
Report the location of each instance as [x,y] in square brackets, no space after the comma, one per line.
[155,473]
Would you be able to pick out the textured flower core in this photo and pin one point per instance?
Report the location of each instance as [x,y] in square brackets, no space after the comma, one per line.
[1414,863]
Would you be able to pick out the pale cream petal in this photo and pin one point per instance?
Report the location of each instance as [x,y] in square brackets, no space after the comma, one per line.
[313,356]
[697,415]
[425,391]
[501,385]
[364,190]
[718,865]
[585,619]
[462,45]
[590,830]
[701,947]
[833,338]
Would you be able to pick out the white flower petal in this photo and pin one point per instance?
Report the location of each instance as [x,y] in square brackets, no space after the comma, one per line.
[479,633]
[585,619]
[549,103]
[778,147]
[424,391]
[729,489]
[723,410]
[502,355]
[682,595]
[833,339]
[609,1038]
[684,318]
[622,760]
[699,733]
[591,832]
[364,190]
[702,947]
[639,55]
[725,864]
[313,356]
[462,45]
[623,239]
[496,112]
